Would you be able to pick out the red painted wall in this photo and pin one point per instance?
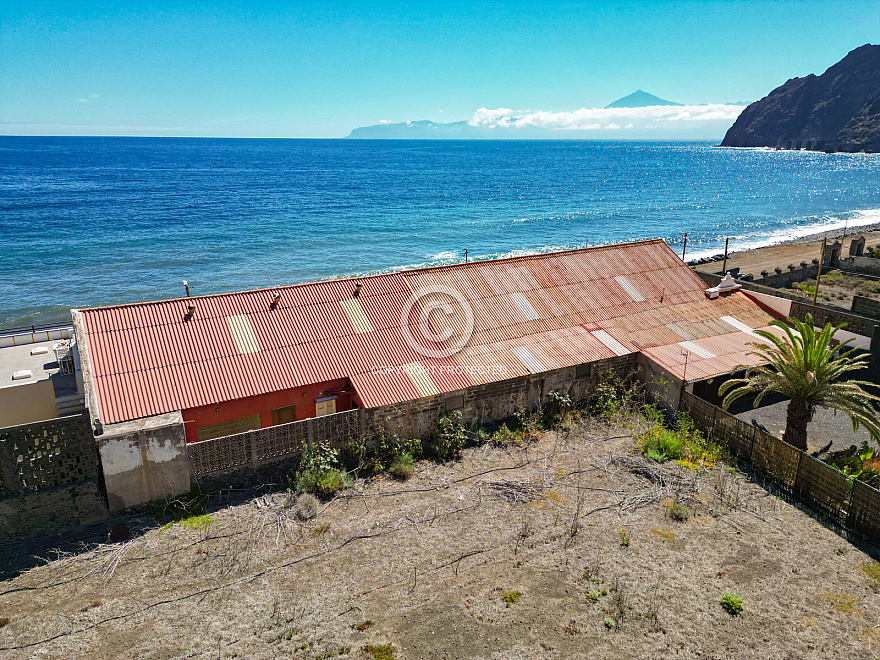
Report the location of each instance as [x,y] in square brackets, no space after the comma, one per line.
[263,404]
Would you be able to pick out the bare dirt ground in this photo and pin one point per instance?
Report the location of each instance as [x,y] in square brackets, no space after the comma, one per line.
[425,565]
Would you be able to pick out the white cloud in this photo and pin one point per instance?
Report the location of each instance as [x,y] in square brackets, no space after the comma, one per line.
[657,116]
[384,121]
[90,97]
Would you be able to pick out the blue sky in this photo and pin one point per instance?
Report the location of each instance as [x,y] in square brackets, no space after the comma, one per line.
[302,69]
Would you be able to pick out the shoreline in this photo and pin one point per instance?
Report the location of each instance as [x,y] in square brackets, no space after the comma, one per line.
[748,260]
[794,250]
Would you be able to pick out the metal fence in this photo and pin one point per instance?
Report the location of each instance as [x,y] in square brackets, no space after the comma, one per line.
[252,447]
[853,504]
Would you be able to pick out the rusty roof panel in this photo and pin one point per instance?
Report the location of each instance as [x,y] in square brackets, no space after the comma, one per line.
[149,358]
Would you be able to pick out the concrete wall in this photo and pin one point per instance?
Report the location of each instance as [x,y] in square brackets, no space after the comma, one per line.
[28,402]
[144,460]
[49,478]
[865,265]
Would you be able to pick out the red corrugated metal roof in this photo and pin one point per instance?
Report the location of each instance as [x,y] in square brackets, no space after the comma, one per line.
[151,358]
[722,354]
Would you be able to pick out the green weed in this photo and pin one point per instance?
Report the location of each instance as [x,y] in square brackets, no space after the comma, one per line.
[683,443]
[380,652]
[318,473]
[731,602]
[511,597]
[450,437]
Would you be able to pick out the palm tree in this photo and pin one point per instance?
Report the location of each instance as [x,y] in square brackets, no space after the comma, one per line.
[806,368]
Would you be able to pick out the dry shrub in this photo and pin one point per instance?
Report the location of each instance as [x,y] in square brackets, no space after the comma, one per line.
[306,506]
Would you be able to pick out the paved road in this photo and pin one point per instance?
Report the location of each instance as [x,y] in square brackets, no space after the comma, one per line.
[826,426]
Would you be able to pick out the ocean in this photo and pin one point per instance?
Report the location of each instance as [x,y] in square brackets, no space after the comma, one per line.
[96,221]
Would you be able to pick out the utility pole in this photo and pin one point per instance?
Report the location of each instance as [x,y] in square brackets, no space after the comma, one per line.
[819,276]
[685,353]
[465,256]
[685,234]
[724,268]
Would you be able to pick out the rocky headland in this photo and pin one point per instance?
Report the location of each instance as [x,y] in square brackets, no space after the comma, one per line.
[836,111]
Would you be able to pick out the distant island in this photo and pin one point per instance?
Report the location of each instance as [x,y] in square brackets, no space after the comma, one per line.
[836,111]
[639,115]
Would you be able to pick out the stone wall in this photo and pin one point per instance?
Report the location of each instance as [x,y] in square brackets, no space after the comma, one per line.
[493,402]
[788,276]
[269,455]
[50,479]
[144,460]
[866,307]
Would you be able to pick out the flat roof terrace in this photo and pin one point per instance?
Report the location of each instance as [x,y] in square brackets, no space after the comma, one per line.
[40,360]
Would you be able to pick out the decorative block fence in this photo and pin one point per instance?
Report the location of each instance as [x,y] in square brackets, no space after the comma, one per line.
[49,477]
[258,456]
[855,505]
[274,442]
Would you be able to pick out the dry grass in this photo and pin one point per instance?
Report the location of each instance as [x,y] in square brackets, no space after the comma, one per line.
[419,569]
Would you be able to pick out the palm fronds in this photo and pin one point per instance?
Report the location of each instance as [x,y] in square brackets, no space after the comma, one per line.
[803,365]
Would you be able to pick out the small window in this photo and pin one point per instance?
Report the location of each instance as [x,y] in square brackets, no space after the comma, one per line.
[325,407]
[454,403]
[582,371]
[284,415]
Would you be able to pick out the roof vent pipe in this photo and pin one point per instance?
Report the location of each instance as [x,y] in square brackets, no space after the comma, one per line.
[276,297]
[191,310]
[357,288]
[186,284]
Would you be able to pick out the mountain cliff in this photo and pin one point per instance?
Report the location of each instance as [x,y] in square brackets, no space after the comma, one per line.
[837,111]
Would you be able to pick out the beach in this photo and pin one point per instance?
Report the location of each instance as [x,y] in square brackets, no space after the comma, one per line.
[804,248]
